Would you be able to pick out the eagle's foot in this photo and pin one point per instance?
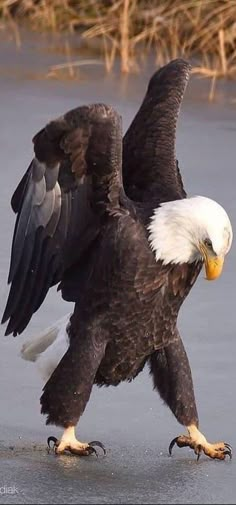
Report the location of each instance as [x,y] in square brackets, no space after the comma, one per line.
[199,444]
[69,443]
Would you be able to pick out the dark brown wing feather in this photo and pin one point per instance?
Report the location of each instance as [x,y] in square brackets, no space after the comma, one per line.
[74,177]
[150,168]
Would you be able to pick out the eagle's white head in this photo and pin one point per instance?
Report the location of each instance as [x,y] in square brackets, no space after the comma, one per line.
[188,230]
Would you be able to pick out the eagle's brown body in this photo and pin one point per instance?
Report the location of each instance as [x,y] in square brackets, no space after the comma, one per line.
[82,213]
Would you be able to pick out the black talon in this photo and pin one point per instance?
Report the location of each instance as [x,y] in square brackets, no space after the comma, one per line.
[54,440]
[99,444]
[92,450]
[199,451]
[228,446]
[228,453]
[173,442]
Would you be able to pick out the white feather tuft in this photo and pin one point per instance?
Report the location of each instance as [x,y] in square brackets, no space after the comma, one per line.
[48,348]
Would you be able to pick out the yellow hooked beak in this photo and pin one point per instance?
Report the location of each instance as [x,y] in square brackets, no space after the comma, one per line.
[213,263]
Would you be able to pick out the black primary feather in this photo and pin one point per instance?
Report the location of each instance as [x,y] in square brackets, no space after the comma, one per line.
[58,201]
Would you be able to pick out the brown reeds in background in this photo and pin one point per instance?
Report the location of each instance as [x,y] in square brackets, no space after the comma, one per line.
[202,30]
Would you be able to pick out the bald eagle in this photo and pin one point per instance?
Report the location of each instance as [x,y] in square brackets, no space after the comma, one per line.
[109,222]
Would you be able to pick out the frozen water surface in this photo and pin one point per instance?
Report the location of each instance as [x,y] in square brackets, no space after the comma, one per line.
[131,419]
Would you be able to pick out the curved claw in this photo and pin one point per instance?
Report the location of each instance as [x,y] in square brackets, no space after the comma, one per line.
[95,443]
[228,446]
[92,450]
[228,451]
[198,451]
[173,442]
[54,440]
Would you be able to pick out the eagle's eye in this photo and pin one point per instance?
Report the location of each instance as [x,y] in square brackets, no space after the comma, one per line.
[208,243]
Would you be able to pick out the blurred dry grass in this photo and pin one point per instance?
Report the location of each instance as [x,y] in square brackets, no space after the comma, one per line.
[201,29]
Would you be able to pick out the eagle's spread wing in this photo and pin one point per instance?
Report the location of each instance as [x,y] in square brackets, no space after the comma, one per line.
[59,201]
[150,168]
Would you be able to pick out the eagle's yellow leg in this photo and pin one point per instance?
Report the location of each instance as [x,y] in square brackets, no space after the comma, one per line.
[70,443]
[198,442]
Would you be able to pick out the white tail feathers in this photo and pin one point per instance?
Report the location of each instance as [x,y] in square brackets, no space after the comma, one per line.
[48,348]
